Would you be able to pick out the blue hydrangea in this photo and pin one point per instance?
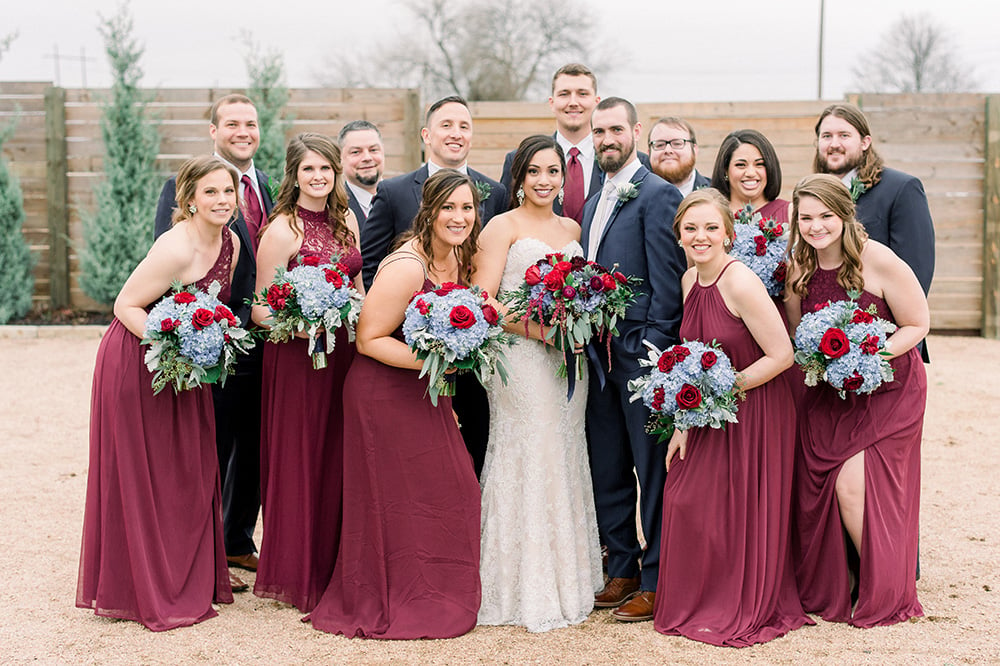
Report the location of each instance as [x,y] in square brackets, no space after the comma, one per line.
[314,294]
[435,327]
[745,250]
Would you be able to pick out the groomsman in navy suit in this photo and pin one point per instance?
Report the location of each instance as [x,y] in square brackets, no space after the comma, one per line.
[236,136]
[447,136]
[892,206]
[629,224]
[574,96]
[363,159]
[673,151]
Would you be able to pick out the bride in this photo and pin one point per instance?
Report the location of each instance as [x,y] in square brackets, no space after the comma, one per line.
[540,562]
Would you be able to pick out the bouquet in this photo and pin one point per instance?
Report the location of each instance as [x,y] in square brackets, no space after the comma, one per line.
[760,245]
[844,346]
[193,339]
[313,297]
[690,385]
[573,298]
[453,326]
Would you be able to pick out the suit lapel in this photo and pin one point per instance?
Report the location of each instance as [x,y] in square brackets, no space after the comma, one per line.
[419,178]
[263,181]
[636,179]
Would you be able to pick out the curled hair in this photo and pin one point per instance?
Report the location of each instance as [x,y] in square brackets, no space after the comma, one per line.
[531,146]
[235,98]
[772,167]
[833,194]
[288,193]
[870,168]
[436,191]
[188,176]
[710,197]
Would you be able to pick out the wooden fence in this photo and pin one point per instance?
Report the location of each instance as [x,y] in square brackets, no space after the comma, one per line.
[942,139]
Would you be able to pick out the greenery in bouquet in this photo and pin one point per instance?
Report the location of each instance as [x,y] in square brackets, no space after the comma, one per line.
[452,327]
[193,339]
[314,297]
[690,385]
[844,346]
[760,244]
[572,299]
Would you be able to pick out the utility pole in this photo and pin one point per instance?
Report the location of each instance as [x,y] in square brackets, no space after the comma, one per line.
[82,59]
[819,85]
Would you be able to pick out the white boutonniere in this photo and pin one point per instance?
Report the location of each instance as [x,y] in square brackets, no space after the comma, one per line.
[857,188]
[484,189]
[627,191]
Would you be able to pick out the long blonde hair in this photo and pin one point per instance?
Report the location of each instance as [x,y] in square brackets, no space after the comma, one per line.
[833,194]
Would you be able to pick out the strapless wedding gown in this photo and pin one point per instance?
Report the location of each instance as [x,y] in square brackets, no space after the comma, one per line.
[541,560]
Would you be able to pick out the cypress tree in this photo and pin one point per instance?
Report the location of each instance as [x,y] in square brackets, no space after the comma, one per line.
[266,70]
[16,280]
[116,235]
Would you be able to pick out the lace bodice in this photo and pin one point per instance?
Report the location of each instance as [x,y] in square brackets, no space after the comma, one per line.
[319,241]
[221,269]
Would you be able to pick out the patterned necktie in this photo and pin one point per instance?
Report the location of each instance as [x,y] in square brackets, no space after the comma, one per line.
[573,188]
[252,214]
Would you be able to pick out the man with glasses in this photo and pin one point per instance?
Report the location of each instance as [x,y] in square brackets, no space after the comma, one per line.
[673,151]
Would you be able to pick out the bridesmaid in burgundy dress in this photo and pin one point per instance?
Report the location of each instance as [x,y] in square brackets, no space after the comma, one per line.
[408,565]
[725,567]
[858,468]
[302,428]
[152,530]
[747,171]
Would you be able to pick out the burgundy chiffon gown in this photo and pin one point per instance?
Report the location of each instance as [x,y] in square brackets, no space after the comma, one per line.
[301,452]
[726,575]
[152,530]
[408,565]
[886,426]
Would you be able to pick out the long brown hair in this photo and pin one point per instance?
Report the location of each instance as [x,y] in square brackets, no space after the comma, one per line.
[833,194]
[436,191]
[288,193]
[188,176]
[870,168]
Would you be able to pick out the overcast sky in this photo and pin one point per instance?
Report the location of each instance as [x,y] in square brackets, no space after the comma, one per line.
[727,50]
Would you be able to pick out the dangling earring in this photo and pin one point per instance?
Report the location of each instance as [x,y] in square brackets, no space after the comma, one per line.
[561,195]
[726,243]
[680,244]
[296,185]
[520,196]
[192,209]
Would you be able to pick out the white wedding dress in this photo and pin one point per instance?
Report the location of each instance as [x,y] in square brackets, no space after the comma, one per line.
[540,560]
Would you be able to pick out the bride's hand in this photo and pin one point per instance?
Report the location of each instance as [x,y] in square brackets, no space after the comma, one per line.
[678,443]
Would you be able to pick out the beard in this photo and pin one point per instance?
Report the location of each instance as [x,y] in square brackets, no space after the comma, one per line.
[610,164]
[849,163]
[675,172]
[368,181]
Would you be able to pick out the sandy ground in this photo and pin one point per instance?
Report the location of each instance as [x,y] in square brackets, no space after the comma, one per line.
[45,391]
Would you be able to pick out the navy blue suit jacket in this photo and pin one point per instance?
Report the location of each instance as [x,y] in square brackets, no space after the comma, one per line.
[639,238]
[395,205]
[701,181]
[245,275]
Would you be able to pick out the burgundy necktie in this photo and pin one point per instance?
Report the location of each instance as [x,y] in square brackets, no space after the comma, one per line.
[252,214]
[573,188]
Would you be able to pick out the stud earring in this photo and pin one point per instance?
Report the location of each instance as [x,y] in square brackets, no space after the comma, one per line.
[562,195]
[192,209]
[680,244]
[296,186]
[520,196]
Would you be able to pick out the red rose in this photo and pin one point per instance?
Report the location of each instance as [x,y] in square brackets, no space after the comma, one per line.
[834,343]
[761,248]
[609,282]
[621,277]
[820,306]
[681,352]
[666,362]
[225,337]
[484,294]
[778,230]
[870,344]
[554,280]
[490,314]
[563,266]
[169,324]
[708,359]
[422,306]
[533,275]
[275,297]
[343,268]
[202,318]
[597,284]
[862,317]
[462,317]
[659,398]
[689,397]
[310,260]
[554,258]
[568,292]
[447,288]
[222,312]
[854,382]
[780,272]
[183,297]
[334,278]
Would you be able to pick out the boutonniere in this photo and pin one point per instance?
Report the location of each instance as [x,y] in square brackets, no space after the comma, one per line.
[484,189]
[627,191]
[273,185]
[857,188]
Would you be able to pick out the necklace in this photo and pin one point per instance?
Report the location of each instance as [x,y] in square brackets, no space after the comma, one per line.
[314,216]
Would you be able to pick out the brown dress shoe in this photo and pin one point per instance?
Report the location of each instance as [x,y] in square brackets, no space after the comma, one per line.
[616,592]
[248,561]
[639,608]
[237,584]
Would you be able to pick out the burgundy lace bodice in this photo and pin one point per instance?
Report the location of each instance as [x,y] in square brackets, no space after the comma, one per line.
[220,270]
[319,241]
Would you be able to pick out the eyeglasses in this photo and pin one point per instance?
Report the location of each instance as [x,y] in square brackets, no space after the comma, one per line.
[676,144]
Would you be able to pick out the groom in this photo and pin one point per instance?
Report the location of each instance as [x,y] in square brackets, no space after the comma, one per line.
[629,224]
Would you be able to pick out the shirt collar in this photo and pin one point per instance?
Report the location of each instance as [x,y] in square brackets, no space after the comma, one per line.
[434,168]
[586,146]
[251,172]
[849,176]
[626,173]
